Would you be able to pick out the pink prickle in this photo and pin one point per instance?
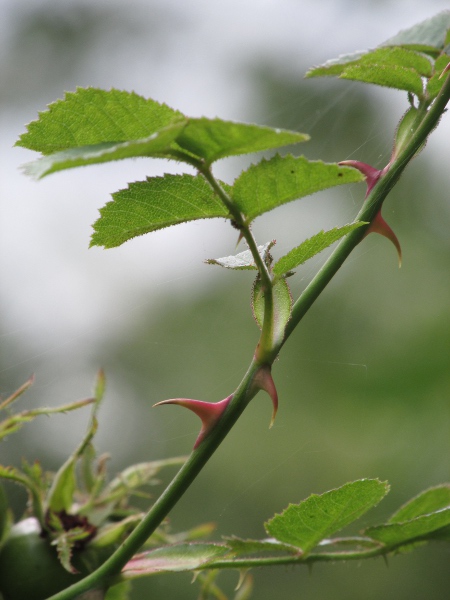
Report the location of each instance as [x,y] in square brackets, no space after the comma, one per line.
[209,413]
[263,380]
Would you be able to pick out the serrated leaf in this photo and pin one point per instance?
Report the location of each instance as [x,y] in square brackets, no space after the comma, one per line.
[421,528]
[94,116]
[282,305]
[153,204]
[427,36]
[383,57]
[211,139]
[428,501]
[391,76]
[156,145]
[304,525]
[243,260]
[312,246]
[271,183]
[180,557]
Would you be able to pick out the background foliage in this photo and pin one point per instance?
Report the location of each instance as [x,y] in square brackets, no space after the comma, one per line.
[364,383]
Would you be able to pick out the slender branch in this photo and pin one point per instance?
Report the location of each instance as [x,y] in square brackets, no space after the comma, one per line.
[265,345]
[245,392]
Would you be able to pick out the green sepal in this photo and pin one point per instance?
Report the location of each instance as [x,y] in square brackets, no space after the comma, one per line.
[60,496]
[244,260]
[306,524]
[34,489]
[154,204]
[282,305]
[271,183]
[312,246]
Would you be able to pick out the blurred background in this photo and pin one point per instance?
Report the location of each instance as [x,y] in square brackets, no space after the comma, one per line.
[364,383]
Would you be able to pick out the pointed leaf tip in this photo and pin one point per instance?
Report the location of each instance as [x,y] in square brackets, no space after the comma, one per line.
[264,381]
[209,413]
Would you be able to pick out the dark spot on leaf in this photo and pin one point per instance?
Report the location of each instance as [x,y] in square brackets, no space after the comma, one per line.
[339,174]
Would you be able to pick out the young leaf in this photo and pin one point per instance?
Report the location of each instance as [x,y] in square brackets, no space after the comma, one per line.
[312,246]
[180,557]
[432,500]
[304,525]
[421,528]
[156,145]
[243,260]
[282,304]
[94,116]
[153,204]
[211,139]
[273,182]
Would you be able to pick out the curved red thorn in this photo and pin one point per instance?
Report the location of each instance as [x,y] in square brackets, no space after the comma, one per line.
[263,380]
[379,225]
[371,174]
[209,412]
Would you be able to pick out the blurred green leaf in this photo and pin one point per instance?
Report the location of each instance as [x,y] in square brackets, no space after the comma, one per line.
[436,82]
[421,528]
[93,116]
[271,183]
[304,525]
[6,516]
[282,304]
[121,591]
[428,501]
[429,36]
[181,557]
[153,204]
[211,139]
[155,145]
[312,246]
[243,260]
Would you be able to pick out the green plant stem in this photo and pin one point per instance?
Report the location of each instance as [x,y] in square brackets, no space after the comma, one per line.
[245,392]
[265,344]
[370,208]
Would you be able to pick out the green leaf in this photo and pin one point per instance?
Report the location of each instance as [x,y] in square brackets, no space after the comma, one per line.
[243,260]
[421,528]
[381,57]
[428,36]
[153,204]
[282,304]
[180,557]
[304,525]
[94,116]
[436,82]
[156,145]
[391,76]
[6,516]
[312,246]
[274,182]
[431,500]
[211,139]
